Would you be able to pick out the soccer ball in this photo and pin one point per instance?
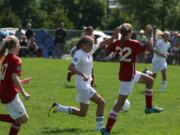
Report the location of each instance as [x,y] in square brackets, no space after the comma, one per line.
[126,106]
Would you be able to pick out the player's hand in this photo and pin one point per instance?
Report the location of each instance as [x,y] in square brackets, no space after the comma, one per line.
[26,80]
[26,95]
[85,77]
[148,30]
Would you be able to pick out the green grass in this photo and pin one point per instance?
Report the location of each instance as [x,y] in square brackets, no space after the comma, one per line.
[48,85]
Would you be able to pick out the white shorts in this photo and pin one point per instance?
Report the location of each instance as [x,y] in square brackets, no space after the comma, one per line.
[84,92]
[126,87]
[16,108]
[158,65]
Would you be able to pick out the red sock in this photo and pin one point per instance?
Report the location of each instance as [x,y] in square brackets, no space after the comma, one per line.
[14,129]
[6,118]
[148,94]
[111,121]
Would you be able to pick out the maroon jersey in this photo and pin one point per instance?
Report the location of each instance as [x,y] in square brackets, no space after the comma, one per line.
[127,53]
[11,64]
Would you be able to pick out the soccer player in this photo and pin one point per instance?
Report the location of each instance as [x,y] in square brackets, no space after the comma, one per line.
[11,85]
[159,62]
[87,31]
[127,50]
[82,66]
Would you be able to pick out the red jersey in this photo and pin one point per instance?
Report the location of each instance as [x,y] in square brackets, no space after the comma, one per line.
[127,56]
[11,64]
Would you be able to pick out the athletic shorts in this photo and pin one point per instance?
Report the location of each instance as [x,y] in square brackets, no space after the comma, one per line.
[84,91]
[126,87]
[158,65]
[16,108]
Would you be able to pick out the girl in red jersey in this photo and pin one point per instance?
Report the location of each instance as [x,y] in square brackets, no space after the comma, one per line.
[11,85]
[127,50]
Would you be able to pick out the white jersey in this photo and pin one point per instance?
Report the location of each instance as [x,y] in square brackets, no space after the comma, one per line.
[83,62]
[162,47]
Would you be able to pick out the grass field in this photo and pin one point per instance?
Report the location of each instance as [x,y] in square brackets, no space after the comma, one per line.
[48,85]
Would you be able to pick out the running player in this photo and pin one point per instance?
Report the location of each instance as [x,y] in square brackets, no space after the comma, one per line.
[82,66]
[11,85]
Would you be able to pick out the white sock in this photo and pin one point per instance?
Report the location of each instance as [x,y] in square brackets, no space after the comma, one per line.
[64,109]
[99,122]
[164,85]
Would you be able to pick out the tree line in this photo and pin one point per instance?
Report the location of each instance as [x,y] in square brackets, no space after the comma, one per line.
[78,13]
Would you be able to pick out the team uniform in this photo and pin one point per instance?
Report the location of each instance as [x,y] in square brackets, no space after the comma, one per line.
[8,91]
[159,62]
[127,56]
[84,63]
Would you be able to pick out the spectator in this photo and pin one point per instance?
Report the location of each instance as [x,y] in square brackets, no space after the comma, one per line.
[33,48]
[29,33]
[24,50]
[176,48]
[19,33]
[60,41]
[141,38]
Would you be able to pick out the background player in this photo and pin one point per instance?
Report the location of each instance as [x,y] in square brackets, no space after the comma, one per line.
[11,85]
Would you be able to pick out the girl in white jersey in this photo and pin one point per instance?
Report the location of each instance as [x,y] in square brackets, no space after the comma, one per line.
[82,66]
[158,62]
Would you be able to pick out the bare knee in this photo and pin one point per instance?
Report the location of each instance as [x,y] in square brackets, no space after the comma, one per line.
[22,120]
[101,103]
[82,114]
[149,82]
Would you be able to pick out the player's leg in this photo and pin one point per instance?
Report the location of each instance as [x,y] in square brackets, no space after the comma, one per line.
[18,113]
[96,98]
[56,107]
[114,113]
[148,81]
[164,80]
[164,76]
[125,89]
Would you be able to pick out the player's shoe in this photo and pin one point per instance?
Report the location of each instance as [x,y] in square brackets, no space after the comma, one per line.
[144,71]
[153,110]
[147,72]
[53,108]
[104,132]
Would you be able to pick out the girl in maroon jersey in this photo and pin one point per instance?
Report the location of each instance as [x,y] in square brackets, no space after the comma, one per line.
[127,50]
[11,85]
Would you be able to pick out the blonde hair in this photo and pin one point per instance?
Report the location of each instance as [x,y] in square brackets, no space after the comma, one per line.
[125,29]
[8,43]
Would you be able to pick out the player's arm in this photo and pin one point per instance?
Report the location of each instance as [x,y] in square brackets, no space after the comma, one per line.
[74,70]
[149,34]
[17,82]
[111,39]
[26,80]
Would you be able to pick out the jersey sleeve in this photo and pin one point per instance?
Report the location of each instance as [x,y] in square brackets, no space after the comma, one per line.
[76,58]
[139,46]
[112,46]
[16,66]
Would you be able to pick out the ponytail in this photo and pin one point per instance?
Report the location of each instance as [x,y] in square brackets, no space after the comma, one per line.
[2,51]
[125,29]
[8,43]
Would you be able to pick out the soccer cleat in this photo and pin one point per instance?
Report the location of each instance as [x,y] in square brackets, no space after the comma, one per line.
[147,72]
[153,110]
[144,71]
[53,108]
[104,132]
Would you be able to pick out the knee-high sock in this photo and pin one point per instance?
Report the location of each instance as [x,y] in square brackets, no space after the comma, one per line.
[148,95]
[111,121]
[6,118]
[14,129]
